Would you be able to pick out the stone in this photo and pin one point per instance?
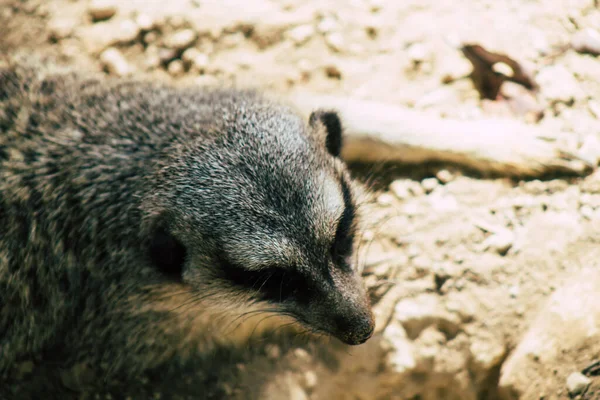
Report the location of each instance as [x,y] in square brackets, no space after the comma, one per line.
[176,68]
[401,189]
[399,353]
[115,63]
[553,343]
[558,84]
[181,40]
[300,34]
[145,22]
[310,379]
[327,25]
[335,41]
[590,150]
[444,176]
[102,35]
[195,59]
[586,41]
[101,10]
[429,184]
[60,29]
[418,313]
[333,72]
[577,383]
[500,242]
[385,199]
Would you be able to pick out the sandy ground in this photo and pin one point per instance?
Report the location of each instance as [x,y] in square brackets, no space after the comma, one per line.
[466,262]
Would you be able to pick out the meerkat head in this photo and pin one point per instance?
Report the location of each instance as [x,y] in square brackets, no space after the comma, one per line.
[262,216]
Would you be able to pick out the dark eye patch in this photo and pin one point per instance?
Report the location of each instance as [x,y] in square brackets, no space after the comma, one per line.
[274,284]
[341,247]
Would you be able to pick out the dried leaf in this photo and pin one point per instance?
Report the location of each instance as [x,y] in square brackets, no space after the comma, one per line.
[491,70]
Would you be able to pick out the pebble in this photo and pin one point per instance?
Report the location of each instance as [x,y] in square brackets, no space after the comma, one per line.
[335,41]
[310,379]
[429,184]
[195,58]
[145,22]
[60,29]
[181,40]
[400,189]
[150,37]
[176,68]
[385,199]
[333,72]
[558,84]
[114,62]
[577,383]
[101,10]
[166,55]
[590,149]
[417,53]
[500,242]
[327,25]
[127,32]
[586,41]
[301,34]
[444,176]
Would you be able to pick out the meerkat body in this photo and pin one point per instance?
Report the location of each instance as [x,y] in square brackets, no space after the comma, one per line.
[141,222]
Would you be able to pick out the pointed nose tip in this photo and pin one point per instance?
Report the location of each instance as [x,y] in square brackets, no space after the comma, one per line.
[356,330]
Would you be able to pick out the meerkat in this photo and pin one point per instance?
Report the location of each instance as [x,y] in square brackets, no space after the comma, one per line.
[142,221]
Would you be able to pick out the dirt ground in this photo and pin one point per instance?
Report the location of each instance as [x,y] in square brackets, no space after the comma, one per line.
[458,265]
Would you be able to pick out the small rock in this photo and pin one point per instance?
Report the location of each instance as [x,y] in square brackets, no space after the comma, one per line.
[335,41]
[301,34]
[101,10]
[400,353]
[196,59]
[514,291]
[444,176]
[273,351]
[327,25]
[587,41]
[400,189]
[429,184]
[486,354]
[145,22]
[558,84]
[166,55]
[500,242]
[417,53]
[443,202]
[60,29]
[150,37]
[577,383]
[301,354]
[587,212]
[176,68]
[310,379]
[181,40]
[590,149]
[114,62]
[385,199]
[333,72]
[127,32]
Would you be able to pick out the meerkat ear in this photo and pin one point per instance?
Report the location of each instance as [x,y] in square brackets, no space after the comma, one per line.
[330,120]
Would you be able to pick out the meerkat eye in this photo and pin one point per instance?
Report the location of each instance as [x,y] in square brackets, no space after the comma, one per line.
[274,284]
[344,237]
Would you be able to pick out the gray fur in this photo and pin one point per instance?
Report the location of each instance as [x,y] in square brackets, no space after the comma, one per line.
[91,169]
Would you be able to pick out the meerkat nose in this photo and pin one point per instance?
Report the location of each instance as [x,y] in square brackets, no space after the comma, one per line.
[355,329]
